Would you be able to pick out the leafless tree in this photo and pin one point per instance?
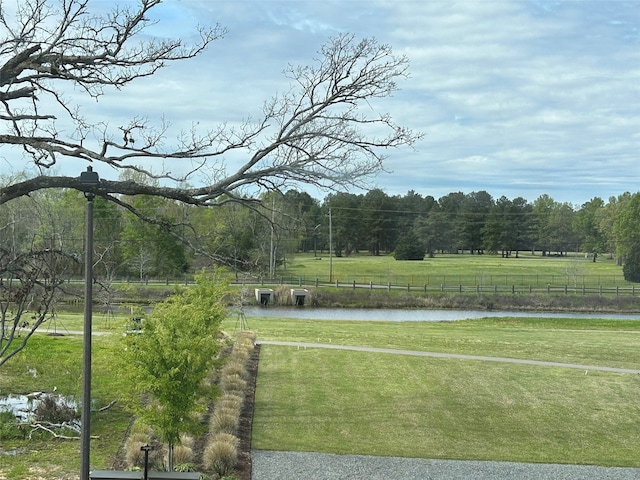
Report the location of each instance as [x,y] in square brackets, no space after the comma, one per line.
[29,284]
[315,133]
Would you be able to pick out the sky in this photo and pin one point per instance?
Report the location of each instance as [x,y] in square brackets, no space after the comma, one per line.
[516,97]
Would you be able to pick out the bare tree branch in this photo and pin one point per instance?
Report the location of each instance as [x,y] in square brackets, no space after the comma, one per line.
[316,133]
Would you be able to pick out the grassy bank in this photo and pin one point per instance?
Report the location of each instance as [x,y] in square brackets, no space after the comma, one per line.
[54,363]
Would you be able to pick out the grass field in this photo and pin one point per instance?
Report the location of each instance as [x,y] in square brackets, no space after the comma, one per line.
[381,404]
[467,269]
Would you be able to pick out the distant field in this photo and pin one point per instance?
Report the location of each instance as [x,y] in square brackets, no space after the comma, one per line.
[464,269]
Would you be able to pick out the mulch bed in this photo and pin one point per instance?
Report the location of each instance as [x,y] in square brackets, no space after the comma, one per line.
[243,469]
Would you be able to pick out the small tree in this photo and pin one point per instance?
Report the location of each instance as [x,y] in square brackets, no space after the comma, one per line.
[410,247]
[169,361]
[631,267]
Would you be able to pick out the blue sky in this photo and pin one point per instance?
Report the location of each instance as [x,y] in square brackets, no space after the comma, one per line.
[515,97]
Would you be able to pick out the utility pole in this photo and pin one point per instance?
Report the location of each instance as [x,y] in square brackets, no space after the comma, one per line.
[272,260]
[330,249]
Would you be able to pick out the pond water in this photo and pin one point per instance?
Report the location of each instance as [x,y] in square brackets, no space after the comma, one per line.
[23,406]
[400,315]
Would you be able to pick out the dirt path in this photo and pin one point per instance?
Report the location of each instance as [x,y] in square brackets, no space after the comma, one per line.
[451,355]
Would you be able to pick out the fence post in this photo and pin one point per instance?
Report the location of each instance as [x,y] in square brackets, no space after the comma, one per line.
[513,289]
[566,289]
[460,288]
[370,285]
[408,287]
[442,287]
[425,288]
[354,284]
[316,282]
[389,286]
[337,284]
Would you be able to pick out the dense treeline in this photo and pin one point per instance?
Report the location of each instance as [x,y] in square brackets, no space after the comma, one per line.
[258,239]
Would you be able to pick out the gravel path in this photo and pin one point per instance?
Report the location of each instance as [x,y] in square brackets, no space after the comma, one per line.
[268,465]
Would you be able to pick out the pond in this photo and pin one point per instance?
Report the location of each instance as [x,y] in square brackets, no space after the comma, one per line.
[23,407]
[417,315]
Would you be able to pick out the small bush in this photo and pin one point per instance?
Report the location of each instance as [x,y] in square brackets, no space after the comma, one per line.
[54,410]
[221,454]
[185,467]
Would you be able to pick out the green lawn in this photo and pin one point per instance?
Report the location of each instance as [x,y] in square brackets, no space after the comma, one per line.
[454,269]
[56,362]
[381,404]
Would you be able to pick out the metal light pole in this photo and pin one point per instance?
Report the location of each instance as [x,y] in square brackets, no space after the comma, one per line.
[87,179]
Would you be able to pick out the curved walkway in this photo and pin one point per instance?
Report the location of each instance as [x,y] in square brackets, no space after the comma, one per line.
[458,356]
[269,465]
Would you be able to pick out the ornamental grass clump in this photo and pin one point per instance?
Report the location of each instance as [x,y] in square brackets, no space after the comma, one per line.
[221,454]
[224,421]
[233,383]
[230,400]
[235,367]
[133,455]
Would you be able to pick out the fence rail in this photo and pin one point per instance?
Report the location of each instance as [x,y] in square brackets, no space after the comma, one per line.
[601,285]
[587,288]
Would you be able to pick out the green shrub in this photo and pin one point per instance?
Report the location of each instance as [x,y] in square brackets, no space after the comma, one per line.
[185,467]
[409,247]
[631,267]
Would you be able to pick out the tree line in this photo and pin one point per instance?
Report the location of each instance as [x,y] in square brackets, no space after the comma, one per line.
[258,238]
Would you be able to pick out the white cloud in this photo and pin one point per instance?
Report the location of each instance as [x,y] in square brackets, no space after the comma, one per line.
[524,97]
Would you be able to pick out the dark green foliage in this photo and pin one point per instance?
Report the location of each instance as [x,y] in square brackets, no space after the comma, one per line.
[631,268]
[409,247]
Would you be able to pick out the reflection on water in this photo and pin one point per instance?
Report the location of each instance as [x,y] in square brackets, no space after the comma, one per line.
[400,315]
[23,407]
